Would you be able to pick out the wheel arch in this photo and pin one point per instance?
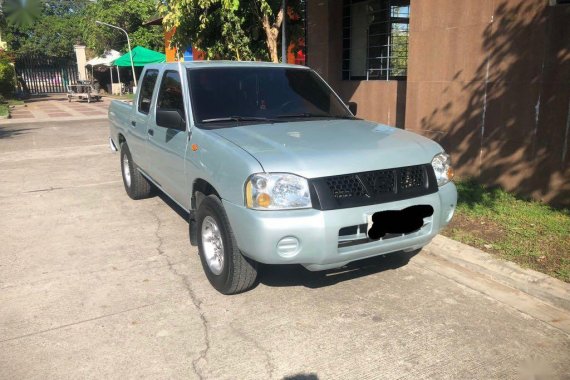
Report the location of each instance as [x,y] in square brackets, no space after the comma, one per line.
[121,138]
[201,189]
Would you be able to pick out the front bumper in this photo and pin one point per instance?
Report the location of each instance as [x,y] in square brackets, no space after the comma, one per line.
[311,237]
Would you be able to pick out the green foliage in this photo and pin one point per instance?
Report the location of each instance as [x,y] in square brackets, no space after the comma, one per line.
[4,111]
[57,25]
[53,31]
[127,14]
[22,13]
[228,29]
[7,76]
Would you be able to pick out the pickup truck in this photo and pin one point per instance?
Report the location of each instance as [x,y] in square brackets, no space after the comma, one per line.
[274,168]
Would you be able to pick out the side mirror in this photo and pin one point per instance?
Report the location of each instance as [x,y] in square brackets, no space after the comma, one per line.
[170,118]
[352,106]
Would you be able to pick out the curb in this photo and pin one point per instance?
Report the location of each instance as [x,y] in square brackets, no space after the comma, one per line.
[54,119]
[536,284]
[531,292]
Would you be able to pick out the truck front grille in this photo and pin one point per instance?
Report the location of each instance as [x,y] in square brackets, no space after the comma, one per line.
[374,187]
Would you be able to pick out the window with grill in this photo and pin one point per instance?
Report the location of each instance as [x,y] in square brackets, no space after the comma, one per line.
[375,39]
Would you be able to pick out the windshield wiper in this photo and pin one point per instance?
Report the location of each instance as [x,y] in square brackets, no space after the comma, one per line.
[316,115]
[235,118]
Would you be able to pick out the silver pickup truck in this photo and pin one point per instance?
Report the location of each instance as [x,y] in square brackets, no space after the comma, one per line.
[272,167]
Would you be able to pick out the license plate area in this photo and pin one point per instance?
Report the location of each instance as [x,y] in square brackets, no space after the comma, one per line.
[388,223]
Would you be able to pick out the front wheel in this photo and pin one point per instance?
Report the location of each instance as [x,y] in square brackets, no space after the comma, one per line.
[226,268]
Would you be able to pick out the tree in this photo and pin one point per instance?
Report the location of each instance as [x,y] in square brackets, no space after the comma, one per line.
[127,14]
[229,29]
[22,13]
[53,31]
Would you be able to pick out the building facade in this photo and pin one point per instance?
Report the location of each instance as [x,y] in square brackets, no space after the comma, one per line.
[488,79]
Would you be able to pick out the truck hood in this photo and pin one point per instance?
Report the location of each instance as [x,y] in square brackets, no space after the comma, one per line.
[320,148]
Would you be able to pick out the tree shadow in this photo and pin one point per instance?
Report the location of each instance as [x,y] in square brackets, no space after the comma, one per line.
[302,376]
[507,125]
[12,132]
[296,275]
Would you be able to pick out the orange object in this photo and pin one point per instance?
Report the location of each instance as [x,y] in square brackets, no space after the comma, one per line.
[170,51]
[194,147]
[263,200]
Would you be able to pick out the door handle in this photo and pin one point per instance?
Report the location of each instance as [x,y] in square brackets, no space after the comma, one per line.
[151,132]
[133,123]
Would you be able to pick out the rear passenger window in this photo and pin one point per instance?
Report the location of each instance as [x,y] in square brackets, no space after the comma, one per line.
[170,95]
[145,97]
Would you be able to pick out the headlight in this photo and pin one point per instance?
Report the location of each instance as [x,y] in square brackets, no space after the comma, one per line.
[277,191]
[441,164]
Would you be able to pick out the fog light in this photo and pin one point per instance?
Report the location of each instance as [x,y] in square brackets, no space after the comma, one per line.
[289,246]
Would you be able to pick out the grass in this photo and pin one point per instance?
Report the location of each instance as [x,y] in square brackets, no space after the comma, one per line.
[122,97]
[529,233]
[15,102]
[6,104]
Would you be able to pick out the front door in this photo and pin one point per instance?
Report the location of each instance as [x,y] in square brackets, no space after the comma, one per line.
[167,143]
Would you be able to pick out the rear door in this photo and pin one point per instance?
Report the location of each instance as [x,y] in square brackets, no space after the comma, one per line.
[167,143]
[140,117]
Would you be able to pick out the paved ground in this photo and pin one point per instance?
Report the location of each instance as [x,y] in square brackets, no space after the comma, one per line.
[95,285]
[57,107]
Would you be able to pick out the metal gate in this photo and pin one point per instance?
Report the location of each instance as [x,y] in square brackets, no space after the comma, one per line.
[39,74]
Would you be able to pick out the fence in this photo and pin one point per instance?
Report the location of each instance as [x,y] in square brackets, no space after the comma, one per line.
[39,74]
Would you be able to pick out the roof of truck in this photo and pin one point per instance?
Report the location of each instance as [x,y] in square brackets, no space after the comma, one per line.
[199,64]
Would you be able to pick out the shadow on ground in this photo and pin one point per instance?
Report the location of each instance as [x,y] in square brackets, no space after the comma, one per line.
[11,132]
[296,275]
[302,376]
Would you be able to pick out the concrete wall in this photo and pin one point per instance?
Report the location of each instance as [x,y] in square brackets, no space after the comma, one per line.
[382,101]
[490,80]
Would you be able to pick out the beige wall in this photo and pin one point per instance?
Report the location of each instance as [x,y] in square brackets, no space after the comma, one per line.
[381,101]
[490,80]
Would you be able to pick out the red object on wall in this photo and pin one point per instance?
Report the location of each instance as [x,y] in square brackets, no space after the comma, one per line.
[298,58]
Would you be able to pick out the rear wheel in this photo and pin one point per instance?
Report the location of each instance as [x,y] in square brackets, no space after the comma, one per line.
[136,185]
[226,268]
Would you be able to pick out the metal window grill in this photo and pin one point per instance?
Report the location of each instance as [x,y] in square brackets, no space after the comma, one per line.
[387,33]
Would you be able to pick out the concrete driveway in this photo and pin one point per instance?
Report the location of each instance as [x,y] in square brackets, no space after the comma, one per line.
[95,285]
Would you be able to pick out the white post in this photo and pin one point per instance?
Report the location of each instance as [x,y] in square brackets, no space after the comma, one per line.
[283,37]
[120,84]
[81,61]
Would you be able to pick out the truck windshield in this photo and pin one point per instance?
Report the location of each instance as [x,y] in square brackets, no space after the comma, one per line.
[230,96]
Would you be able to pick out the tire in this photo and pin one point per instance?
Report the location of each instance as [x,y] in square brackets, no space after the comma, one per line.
[236,273]
[136,185]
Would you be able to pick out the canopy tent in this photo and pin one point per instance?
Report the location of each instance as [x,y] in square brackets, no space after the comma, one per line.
[106,59]
[141,57]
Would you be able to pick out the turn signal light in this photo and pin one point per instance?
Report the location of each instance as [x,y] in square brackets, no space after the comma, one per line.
[263,200]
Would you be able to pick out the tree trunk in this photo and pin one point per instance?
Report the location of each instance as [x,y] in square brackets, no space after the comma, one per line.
[272,34]
[272,47]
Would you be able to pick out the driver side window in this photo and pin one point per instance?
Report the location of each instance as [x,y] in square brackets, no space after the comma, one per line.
[170,95]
